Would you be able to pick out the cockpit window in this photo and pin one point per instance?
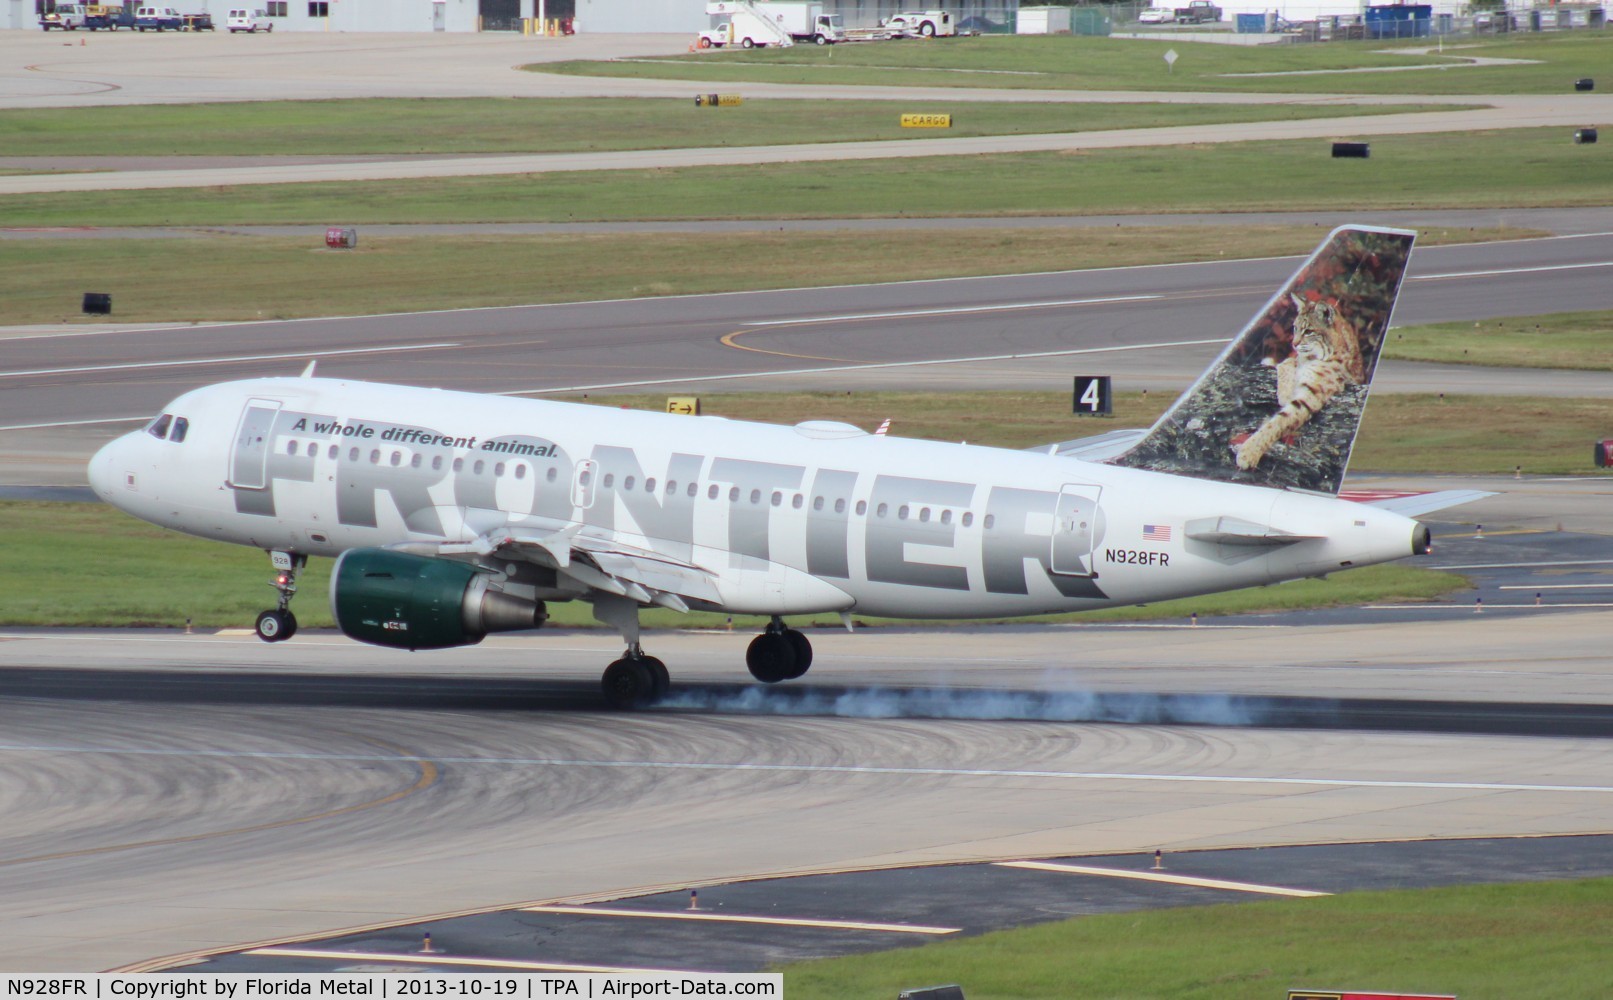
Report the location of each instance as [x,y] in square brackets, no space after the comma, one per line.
[181,425]
[159,428]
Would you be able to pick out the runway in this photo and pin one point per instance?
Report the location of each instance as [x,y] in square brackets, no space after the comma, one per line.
[69,389]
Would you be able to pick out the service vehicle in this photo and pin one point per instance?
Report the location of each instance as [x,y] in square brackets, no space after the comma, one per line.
[1198,12]
[99,16]
[742,23]
[805,21]
[66,17]
[1157,15]
[158,19]
[249,21]
[922,24]
[199,22]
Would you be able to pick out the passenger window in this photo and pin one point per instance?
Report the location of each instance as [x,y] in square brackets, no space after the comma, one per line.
[880,512]
[627,483]
[733,494]
[924,514]
[755,496]
[520,470]
[333,452]
[610,480]
[778,498]
[817,503]
[968,519]
[375,456]
[796,502]
[291,447]
[498,470]
[181,428]
[478,467]
[902,512]
[159,428]
[649,485]
[313,450]
[840,506]
[694,488]
[946,517]
[397,458]
[414,460]
[711,493]
[436,463]
[459,464]
[991,521]
[352,455]
[862,507]
[550,475]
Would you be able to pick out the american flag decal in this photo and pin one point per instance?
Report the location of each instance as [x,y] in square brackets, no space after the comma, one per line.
[1157,532]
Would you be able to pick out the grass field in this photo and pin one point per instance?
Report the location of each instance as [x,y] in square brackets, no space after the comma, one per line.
[1558,340]
[1447,170]
[555,125]
[1093,63]
[1543,941]
[246,278]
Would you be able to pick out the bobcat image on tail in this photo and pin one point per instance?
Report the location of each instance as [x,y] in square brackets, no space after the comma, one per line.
[1326,358]
[1320,337]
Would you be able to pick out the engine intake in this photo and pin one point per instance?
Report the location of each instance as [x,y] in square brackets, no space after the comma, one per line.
[418,602]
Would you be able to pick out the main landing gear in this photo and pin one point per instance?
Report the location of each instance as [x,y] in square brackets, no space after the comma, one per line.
[779,654]
[280,624]
[634,680]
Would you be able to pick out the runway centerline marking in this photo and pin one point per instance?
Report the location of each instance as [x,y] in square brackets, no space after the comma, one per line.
[77,423]
[953,310]
[187,362]
[849,769]
[1160,876]
[735,918]
[416,958]
[1529,565]
[871,366]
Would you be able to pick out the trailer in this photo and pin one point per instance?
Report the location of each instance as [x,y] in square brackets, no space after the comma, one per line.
[742,23]
[805,20]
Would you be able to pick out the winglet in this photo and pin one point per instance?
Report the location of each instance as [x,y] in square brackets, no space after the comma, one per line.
[309,371]
[1282,404]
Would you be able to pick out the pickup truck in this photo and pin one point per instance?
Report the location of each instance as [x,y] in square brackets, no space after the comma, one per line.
[1197,12]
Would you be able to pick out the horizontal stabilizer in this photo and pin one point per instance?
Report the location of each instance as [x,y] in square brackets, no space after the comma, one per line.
[1097,447]
[1237,531]
[1417,504]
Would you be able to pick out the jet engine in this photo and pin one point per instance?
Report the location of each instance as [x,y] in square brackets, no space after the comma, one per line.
[413,602]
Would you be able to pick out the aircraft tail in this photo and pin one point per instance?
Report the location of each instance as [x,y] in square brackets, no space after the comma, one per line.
[1282,404]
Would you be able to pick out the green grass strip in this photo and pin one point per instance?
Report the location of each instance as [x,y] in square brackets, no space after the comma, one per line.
[1074,62]
[1541,941]
[1525,167]
[561,125]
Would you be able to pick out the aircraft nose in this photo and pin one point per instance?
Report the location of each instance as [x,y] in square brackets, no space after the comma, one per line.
[104,468]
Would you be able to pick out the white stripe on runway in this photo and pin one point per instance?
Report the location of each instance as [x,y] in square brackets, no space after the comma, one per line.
[734,918]
[1153,876]
[184,362]
[77,423]
[1508,270]
[955,310]
[427,958]
[935,772]
[871,366]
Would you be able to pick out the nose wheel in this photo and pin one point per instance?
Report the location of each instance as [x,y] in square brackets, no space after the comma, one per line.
[280,624]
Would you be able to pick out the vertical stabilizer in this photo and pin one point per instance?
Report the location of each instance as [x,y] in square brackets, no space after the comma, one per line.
[1282,404]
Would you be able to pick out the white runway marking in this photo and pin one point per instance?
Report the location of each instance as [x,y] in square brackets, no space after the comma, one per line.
[418,958]
[1529,565]
[1557,586]
[852,769]
[685,379]
[1160,876]
[1509,270]
[953,311]
[1469,607]
[77,423]
[734,918]
[185,362]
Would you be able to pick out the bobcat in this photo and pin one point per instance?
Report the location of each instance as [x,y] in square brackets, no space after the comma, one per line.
[1326,359]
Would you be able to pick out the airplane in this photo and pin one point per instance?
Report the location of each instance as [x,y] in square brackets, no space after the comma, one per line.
[454,515]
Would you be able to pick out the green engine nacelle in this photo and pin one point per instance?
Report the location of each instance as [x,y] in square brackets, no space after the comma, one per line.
[417,602]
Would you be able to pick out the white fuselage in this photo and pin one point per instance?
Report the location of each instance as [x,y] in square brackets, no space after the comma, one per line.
[787,520]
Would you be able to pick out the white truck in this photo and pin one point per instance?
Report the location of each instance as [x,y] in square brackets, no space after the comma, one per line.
[921,23]
[805,21]
[66,17]
[742,23]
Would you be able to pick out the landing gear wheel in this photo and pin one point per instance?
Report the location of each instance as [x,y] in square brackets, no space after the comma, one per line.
[771,658]
[661,680]
[276,626]
[627,684]
[803,653]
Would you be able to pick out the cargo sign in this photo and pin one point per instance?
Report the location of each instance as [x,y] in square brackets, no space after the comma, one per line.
[926,121]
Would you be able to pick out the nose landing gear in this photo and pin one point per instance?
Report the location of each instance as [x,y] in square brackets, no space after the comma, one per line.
[280,624]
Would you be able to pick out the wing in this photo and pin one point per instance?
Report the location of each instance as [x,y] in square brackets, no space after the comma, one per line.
[1095,448]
